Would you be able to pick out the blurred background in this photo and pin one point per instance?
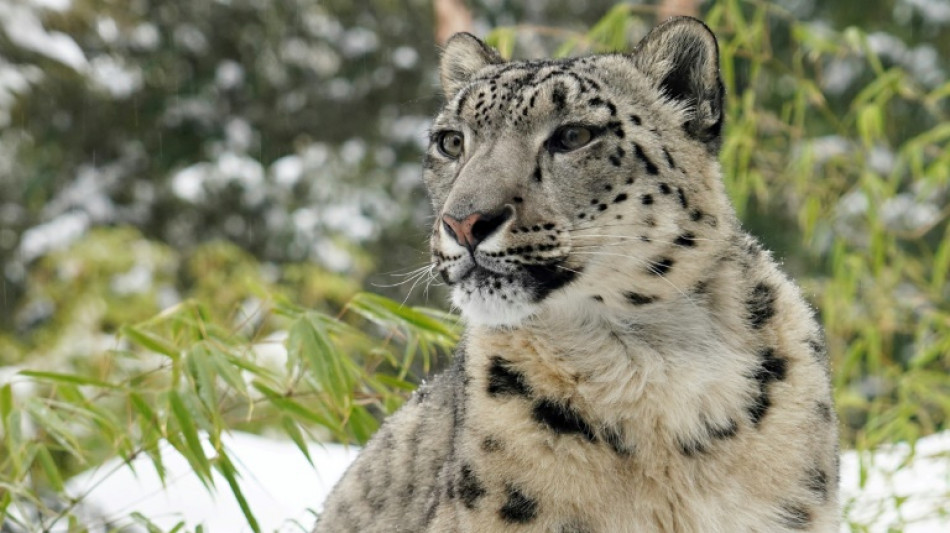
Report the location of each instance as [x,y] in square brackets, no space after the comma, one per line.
[256,163]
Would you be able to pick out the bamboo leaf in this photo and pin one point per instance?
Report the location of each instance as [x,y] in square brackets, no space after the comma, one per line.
[150,341]
[225,368]
[202,375]
[362,424]
[309,342]
[294,408]
[292,431]
[394,382]
[56,427]
[49,468]
[150,526]
[193,451]
[6,402]
[388,313]
[67,378]
[224,465]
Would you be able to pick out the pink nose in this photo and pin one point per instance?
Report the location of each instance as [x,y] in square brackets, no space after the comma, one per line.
[474,228]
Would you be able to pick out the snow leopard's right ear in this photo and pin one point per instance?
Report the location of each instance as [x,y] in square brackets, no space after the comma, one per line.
[463,56]
[682,56]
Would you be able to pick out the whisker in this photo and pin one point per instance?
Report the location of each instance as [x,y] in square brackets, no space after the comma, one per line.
[614,225]
[410,277]
[433,277]
[419,278]
[562,267]
[406,272]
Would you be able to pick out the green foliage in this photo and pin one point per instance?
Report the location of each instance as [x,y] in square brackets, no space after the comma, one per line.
[184,377]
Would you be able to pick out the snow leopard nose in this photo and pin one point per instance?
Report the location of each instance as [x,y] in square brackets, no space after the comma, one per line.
[475,228]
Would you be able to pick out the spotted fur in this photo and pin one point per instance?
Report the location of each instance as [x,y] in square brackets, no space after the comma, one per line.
[634,362]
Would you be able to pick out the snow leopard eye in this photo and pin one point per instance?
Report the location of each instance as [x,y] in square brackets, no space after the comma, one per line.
[450,143]
[569,138]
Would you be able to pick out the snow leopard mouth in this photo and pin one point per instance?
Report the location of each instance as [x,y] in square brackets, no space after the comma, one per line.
[536,280]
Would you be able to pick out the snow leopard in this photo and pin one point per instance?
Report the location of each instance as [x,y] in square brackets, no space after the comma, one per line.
[632,360]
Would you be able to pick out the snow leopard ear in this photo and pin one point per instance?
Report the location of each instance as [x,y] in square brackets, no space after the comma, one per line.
[682,56]
[463,56]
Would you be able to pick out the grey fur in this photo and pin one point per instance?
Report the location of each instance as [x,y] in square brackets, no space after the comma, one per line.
[633,362]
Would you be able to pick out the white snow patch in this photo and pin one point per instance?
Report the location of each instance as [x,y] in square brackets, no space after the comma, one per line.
[145,36]
[282,489]
[905,213]
[239,168]
[239,134]
[348,218]
[24,28]
[194,183]
[107,29]
[322,25]
[229,74]
[352,151]
[112,75]
[358,41]
[305,219]
[271,352]
[331,256]
[136,281]
[287,170]
[919,477]
[318,57]
[53,235]
[933,11]
[188,183]
[405,57]
[52,5]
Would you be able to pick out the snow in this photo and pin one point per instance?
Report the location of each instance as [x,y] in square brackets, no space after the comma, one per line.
[358,41]
[23,27]
[405,57]
[933,11]
[112,75]
[287,170]
[137,280]
[229,75]
[146,36]
[187,183]
[920,478]
[56,234]
[284,491]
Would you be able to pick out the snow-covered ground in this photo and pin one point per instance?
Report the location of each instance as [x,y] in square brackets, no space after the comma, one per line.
[873,484]
[284,490]
[281,487]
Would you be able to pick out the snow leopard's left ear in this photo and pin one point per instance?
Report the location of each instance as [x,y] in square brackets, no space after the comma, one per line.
[463,56]
[682,56]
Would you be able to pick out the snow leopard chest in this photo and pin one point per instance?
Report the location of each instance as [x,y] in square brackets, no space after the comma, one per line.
[534,453]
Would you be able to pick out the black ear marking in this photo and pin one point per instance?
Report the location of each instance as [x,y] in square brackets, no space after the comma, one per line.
[682,57]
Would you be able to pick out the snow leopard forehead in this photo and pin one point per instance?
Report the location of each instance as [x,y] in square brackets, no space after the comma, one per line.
[519,93]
